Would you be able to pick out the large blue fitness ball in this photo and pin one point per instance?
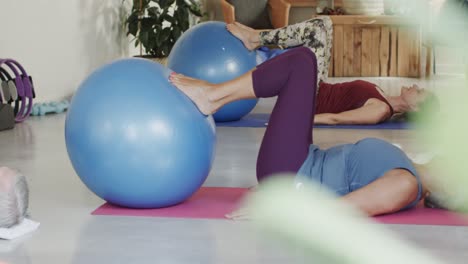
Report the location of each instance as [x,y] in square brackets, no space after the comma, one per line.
[209,52]
[134,139]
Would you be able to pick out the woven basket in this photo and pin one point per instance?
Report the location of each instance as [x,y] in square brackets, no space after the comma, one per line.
[364,7]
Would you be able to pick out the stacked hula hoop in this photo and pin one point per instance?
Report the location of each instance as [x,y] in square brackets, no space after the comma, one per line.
[16,93]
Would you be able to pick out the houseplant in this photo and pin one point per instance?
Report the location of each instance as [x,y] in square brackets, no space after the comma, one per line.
[157,24]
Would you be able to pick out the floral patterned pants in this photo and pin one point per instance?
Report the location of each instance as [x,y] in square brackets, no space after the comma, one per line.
[315,34]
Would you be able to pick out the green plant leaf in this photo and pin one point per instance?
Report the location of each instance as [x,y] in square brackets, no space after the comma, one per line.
[144,39]
[165,50]
[153,42]
[165,3]
[196,12]
[157,35]
[176,33]
[133,17]
[182,18]
[153,11]
[166,32]
[168,18]
[146,24]
[181,3]
[132,23]
[195,9]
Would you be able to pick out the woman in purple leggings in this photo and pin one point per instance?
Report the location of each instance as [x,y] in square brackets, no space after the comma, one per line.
[376,184]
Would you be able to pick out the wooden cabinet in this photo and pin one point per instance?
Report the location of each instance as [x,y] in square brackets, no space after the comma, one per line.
[368,46]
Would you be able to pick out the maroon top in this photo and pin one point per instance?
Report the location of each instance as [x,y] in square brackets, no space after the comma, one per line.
[340,97]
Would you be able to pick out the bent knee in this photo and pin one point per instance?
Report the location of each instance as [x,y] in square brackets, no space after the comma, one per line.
[304,62]
[406,193]
[408,182]
[302,55]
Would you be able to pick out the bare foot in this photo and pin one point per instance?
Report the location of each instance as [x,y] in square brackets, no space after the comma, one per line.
[242,213]
[247,35]
[196,90]
[244,26]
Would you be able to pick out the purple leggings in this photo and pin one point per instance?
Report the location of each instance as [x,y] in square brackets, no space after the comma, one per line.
[292,76]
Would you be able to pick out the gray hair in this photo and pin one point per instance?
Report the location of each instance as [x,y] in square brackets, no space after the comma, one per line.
[14,202]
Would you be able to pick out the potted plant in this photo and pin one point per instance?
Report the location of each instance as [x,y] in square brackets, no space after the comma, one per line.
[157,24]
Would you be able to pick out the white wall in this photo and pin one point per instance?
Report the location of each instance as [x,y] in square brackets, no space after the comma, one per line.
[61,41]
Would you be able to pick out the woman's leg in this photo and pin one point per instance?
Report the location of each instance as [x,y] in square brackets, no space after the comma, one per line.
[388,194]
[292,77]
[315,34]
[286,143]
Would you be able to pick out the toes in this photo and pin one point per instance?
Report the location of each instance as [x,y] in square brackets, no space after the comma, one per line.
[178,78]
[177,75]
[177,82]
[188,80]
[173,79]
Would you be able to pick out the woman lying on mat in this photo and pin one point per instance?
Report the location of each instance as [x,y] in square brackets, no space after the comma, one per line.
[13,197]
[360,102]
[377,184]
[356,102]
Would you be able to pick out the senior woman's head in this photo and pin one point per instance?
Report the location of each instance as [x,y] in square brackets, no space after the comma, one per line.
[14,197]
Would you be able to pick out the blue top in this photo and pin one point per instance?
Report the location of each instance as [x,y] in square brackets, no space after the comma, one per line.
[348,167]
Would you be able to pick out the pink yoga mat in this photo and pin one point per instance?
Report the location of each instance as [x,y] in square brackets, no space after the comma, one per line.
[208,203]
[215,202]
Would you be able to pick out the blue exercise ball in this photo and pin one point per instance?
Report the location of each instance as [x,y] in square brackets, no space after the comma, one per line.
[209,52]
[134,139]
